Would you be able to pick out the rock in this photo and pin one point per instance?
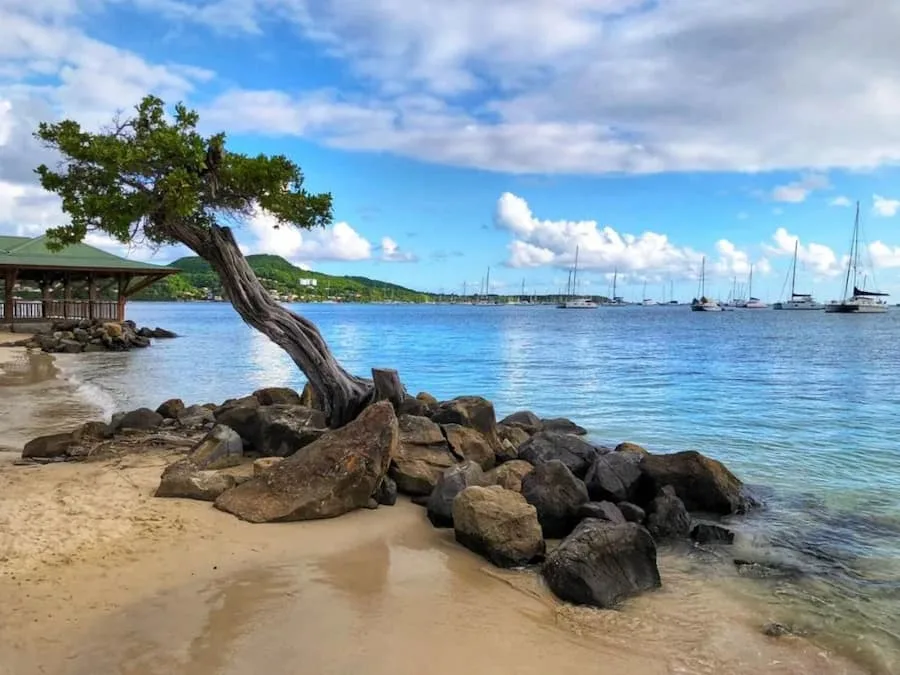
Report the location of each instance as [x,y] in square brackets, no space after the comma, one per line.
[413,406]
[142,419]
[711,533]
[195,416]
[557,495]
[633,448]
[386,494]
[506,453]
[92,432]
[308,398]
[283,429]
[45,447]
[335,474]
[422,456]
[546,446]
[371,504]
[243,418]
[263,464]
[68,346]
[426,398]
[516,436]
[525,420]
[470,411]
[509,475]
[171,409]
[467,443]
[92,347]
[632,512]
[498,524]
[602,511]
[563,426]
[450,483]
[113,330]
[139,341]
[703,484]
[614,477]
[776,630]
[276,396]
[162,334]
[668,519]
[219,449]
[145,332]
[601,564]
[183,480]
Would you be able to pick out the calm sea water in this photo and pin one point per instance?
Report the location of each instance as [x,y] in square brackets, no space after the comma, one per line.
[804,405]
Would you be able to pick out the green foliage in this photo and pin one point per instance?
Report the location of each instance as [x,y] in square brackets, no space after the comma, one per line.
[196,279]
[154,179]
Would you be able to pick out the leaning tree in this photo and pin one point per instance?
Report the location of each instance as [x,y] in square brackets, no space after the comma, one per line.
[158,180]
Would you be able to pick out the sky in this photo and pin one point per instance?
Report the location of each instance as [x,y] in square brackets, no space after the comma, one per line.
[461,136]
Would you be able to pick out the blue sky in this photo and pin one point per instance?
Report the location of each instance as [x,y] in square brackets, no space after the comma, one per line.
[461,136]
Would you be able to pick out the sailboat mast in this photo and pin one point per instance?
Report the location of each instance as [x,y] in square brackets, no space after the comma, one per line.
[575,274]
[615,276]
[750,290]
[794,268]
[703,278]
[487,283]
[851,264]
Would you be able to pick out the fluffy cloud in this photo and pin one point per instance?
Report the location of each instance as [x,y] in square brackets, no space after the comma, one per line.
[840,201]
[650,256]
[338,242]
[390,252]
[817,257]
[884,256]
[798,191]
[884,207]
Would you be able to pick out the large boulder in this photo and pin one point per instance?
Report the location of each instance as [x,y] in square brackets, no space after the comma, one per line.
[242,415]
[632,512]
[467,443]
[602,511]
[498,524]
[48,447]
[171,409]
[547,446]
[601,564]
[422,456]
[220,448]
[410,405]
[712,533]
[525,420]
[195,416]
[557,495]
[563,425]
[614,477]
[668,519]
[514,435]
[142,419]
[184,480]
[702,483]
[450,483]
[469,411]
[335,474]
[283,429]
[631,448]
[277,395]
[509,475]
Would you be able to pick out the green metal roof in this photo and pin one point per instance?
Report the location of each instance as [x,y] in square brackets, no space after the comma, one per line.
[26,252]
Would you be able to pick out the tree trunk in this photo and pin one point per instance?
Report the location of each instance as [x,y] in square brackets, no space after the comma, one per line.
[342,395]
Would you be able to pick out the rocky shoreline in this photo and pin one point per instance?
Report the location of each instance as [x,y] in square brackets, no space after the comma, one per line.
[73,336]
[521,492]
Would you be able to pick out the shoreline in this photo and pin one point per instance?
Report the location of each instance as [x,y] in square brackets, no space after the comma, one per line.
[374,591]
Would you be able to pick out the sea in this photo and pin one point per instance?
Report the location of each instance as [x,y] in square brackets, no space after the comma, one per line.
[803,406]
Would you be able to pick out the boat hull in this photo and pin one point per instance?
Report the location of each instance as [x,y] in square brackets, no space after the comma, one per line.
[798,306]
[851,308]
[706,308]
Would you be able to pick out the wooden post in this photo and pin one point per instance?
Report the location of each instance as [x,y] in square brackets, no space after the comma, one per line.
[120,305]
[92,295]
[67,296]
[9,304]
[45,285]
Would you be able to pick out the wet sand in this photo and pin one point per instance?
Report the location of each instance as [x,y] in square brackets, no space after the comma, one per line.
[97,576]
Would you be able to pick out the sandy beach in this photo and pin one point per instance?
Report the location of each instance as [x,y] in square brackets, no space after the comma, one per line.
[98,576]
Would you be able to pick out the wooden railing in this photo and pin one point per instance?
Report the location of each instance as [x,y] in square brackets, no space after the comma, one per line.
[37,310]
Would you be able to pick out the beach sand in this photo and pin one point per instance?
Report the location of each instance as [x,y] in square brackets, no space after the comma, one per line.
[99,577]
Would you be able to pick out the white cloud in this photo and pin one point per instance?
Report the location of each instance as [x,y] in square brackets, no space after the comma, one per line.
[840,201]
[649,256]
[337,242]
[390,252]
[884,256]
[817,257]
[798,191]
[884,207]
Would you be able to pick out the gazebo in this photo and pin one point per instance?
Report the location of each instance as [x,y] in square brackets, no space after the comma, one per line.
[77,282]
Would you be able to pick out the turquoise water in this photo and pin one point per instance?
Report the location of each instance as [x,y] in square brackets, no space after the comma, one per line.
[803,405]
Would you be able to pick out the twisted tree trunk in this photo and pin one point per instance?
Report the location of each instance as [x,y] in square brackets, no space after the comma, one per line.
[343,396]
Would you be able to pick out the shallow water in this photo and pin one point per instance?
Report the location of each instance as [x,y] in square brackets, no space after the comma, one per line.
[805,405]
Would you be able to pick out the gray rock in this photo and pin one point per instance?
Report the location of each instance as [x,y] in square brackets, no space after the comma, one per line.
[46,447]
[195,416]
[557,495]
[142,419]
[422,456]
[547,446]
[632,512]
[220,448]
[509,475]
[276,396]
[386,494]
[602,511]
[69,346]
[450,483]
[668,519]
[183,480]
[614,477]
[601,564]
[468,443]
[284,429]
[525,420]
[171,409]
[498,524]
[563,426]
[711,533]
[702,483]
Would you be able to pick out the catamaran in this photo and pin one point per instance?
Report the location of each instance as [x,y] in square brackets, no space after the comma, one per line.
[862,301]
[704,304]
[572,302]
[798,300]
[647,302]
[753,303]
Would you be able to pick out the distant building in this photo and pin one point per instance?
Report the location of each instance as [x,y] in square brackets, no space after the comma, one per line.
[309,282]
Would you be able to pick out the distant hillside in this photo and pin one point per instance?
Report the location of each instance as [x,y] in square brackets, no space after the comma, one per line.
[196,280]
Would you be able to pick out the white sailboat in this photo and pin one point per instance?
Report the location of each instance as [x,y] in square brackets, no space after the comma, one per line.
[753,303]
[704,304]
[798,301]
[647,302]
[572,302]
[862,301]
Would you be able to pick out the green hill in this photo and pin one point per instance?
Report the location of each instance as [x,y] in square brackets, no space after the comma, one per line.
[196,280]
